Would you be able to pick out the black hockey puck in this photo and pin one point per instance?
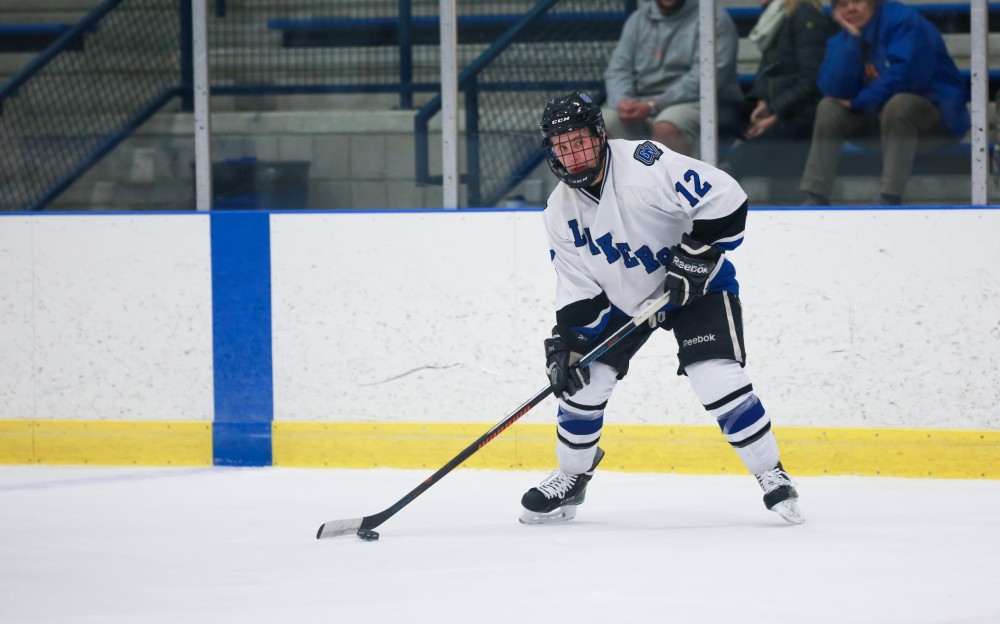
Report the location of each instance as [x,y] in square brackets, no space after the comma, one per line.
[368,535]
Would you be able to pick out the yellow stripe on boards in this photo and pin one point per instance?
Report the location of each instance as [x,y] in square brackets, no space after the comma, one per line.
[408,445]
[944,453]
[17,444]
[106,443]
[805,451]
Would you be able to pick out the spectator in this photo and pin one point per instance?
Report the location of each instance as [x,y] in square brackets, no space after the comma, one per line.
[791,36]
[653,77]
[887,75]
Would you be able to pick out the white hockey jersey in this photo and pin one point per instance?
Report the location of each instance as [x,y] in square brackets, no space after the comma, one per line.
[615,247]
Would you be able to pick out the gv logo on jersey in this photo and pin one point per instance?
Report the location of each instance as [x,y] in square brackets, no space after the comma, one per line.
[647,153]
[613,252]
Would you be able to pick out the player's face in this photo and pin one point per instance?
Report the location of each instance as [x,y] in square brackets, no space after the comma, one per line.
[577,150]
[857,13]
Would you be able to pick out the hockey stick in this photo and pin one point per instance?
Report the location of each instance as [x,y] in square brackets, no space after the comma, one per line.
[363,526]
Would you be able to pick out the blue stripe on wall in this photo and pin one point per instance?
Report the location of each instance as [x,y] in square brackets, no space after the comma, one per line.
[241,338]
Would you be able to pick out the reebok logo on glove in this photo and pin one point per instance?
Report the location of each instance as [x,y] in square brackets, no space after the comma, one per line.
[699,268]
[691,263]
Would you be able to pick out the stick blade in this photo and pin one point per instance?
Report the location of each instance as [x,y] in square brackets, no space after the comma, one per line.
[337,528]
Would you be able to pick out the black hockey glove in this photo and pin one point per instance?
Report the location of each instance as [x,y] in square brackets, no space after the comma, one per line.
[562,351]
[691,263]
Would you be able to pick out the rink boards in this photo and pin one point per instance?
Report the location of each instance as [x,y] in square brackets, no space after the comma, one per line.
[358,339]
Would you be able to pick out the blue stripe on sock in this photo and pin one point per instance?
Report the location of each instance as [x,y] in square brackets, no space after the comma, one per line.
[575,425]
[746,414]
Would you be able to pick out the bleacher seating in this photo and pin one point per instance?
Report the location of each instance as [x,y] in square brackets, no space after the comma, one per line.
[335,32]
[288,59]
[326,32]
[951,18]
[30,37]
[27,28]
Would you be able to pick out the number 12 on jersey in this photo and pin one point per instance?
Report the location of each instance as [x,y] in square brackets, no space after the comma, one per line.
[700,188]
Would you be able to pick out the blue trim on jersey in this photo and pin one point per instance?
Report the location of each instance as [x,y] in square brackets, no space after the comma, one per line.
[729,245]
[575,425]
[746,414]
[612,312]
[607,165]
[725,279]
[593,331]
[588,195]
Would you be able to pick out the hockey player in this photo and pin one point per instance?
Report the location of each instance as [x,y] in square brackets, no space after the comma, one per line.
[629,221]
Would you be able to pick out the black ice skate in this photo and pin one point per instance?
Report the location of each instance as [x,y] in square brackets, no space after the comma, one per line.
[557,496]
[780,495]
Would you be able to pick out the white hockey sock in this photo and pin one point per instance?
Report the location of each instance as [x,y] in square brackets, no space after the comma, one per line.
[581,418]
[575,461]
[760,455]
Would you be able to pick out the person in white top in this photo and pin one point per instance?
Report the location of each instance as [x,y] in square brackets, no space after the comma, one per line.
[629,221]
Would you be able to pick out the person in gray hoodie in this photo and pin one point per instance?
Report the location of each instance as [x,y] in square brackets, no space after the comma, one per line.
[653,77]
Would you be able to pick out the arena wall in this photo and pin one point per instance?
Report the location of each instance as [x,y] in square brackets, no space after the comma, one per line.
[396,338]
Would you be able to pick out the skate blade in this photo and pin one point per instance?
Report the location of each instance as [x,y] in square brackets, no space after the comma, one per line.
[789,511]
[562,514]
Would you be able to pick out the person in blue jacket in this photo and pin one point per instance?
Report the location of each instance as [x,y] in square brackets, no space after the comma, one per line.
[887,78]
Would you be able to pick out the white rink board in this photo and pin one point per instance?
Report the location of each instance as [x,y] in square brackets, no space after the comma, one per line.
[413,316]
[106,318]
[16,311]
[875,318]
[853,318]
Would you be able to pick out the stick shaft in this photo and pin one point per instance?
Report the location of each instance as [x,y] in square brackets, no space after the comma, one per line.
[370,522]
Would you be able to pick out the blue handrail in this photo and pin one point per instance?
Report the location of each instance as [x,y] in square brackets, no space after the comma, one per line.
[87,24]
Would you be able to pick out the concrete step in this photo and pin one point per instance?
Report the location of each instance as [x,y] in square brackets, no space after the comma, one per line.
[47,6]
[368,8]
[28,13]
[13,62]
[93,107]
[90,194]
[152,170]
[863,190]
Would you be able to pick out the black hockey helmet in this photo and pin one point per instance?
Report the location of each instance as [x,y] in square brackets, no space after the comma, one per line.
[565,114]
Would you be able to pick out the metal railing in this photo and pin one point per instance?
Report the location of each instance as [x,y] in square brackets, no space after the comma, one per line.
[545,53]
[83,95]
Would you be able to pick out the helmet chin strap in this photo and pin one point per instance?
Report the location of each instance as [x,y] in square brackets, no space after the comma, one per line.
[583,179]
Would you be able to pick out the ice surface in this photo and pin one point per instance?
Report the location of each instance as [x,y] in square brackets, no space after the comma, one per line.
[146,545]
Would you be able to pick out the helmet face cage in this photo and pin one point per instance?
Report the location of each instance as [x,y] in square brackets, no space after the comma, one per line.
[566,114]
